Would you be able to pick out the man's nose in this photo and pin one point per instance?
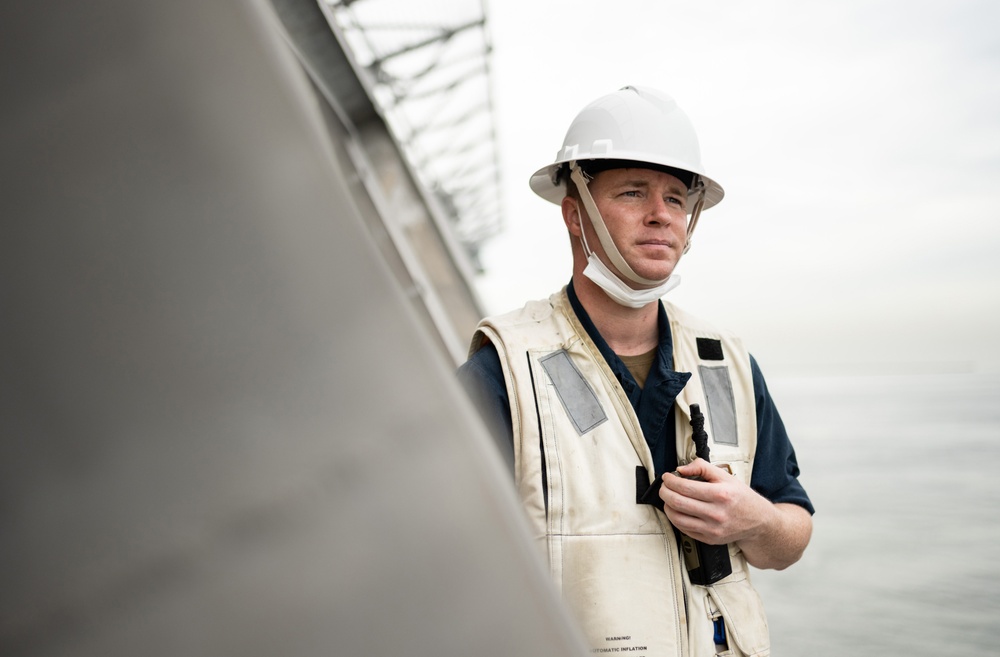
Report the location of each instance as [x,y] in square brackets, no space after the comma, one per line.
[658,211]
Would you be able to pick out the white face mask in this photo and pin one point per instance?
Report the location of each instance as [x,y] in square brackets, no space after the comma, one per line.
[615,288]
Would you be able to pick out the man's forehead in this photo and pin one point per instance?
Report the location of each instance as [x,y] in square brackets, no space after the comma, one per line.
[639,176]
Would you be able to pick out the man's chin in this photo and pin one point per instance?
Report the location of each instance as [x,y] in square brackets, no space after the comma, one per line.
[660,274]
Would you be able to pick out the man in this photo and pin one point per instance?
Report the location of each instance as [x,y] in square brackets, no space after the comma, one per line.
[596,391]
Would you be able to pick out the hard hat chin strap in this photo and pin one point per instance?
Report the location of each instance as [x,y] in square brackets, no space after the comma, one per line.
[697,187]
[576,175]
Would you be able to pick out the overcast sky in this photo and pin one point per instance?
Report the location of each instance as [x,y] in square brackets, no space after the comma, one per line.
[858,143]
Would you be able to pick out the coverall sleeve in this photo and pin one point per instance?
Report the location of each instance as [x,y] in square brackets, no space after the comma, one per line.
[482,377]
[776,470]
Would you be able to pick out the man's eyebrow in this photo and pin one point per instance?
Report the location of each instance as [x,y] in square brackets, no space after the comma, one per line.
[640,182]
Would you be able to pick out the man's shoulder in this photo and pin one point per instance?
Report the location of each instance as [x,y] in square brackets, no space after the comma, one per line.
[535,325]
[530,313]
[681,317]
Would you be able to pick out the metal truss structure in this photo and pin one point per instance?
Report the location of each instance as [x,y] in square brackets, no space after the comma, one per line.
[427,69]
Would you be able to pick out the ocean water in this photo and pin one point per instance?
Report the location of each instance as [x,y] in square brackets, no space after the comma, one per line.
[902,470]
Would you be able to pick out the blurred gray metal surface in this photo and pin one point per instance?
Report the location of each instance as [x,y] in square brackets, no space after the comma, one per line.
[225,428]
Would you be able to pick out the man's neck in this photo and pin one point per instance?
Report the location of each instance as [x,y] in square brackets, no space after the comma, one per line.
[628,331]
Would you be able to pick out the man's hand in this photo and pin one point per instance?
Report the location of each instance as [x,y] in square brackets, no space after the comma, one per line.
[721,509]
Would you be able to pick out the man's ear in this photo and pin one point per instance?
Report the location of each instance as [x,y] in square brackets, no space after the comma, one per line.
[571,215]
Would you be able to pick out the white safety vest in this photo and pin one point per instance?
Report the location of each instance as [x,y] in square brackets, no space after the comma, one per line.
[577,442]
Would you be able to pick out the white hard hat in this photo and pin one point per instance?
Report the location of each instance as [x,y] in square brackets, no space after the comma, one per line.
[635,124]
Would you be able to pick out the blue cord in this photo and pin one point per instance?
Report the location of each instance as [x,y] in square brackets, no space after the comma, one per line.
[720,631]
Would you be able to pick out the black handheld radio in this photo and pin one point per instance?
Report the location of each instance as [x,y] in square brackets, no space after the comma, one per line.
[706,564]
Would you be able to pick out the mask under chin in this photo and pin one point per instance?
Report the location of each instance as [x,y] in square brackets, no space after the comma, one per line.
[621,293]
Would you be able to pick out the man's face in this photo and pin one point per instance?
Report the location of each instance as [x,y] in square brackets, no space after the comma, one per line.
[646,214]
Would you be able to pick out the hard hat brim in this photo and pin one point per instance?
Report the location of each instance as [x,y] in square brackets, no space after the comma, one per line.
[542,182]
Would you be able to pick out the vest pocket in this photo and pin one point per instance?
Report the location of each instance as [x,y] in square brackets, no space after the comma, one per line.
[618,611]
[743,611]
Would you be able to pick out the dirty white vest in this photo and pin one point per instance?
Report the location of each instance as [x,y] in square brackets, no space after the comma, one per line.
[577,442]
